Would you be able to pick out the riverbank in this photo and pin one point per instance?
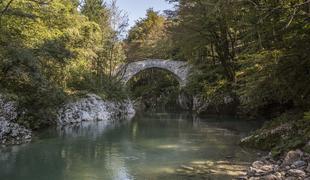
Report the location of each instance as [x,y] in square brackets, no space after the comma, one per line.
[287,132]
[11,133]
[94,108]
[288,140]
[294,165]
[88,108]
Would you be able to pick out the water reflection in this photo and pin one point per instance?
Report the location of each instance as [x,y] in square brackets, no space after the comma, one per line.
[151,146]
[88,129]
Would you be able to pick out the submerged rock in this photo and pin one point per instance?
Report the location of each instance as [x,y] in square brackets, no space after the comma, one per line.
[93,108]
[10,132]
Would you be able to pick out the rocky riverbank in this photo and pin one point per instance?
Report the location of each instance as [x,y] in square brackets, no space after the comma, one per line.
[93,108]
[89,108]
[11,133]
[294,165]
[225,104]
[290,131]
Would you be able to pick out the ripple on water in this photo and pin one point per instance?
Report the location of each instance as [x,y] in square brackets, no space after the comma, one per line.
[151,146]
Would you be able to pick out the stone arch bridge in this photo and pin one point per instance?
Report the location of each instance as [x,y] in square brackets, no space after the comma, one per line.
[179,69]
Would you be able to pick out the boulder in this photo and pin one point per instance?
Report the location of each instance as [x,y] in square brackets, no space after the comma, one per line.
[291,157]
[93,108]
[11,132]
[297,173]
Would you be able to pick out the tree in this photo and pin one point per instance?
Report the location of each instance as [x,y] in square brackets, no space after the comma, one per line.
[275,63]
[39,42]
[256,50]
[112,22]
[149,38]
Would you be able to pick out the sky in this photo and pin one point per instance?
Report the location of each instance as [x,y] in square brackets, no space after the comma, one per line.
[136,9]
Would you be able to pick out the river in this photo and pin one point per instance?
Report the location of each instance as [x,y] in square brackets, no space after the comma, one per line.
[150,146]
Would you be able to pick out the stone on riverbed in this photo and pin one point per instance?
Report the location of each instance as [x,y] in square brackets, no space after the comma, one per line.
[299,163]
[292,156]
[93,108]
[293,166]
[297,173]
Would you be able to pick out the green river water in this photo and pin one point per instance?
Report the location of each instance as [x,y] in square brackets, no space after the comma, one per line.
[151,146]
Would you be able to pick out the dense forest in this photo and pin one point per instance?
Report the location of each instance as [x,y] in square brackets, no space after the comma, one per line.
[254,51]
[52,50]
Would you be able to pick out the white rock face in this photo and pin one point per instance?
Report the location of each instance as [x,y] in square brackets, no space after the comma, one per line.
[201,104]
[8,111]
[11,132]
[179,68]
[93,108]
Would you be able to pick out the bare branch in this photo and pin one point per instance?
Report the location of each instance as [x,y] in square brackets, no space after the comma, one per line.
[291,20]
[6,8]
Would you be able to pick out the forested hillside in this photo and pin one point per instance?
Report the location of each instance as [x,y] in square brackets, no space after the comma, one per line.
[256,52]
[53,49]
[198,91]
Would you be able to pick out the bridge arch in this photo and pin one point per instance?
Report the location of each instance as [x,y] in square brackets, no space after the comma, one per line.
[179,69]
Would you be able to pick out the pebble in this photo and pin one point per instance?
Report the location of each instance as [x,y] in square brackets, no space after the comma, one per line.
[187,167]
[299,163]
[297,173]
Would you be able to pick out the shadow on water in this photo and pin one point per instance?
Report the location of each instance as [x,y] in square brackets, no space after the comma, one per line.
[151,146]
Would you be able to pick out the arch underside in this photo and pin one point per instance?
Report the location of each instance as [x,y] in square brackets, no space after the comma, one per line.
[126,80]
[179,69]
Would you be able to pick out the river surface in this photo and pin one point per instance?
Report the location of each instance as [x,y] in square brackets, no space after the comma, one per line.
[151,146]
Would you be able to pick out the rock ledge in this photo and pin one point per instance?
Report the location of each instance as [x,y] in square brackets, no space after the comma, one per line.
[93,108]
[11,133]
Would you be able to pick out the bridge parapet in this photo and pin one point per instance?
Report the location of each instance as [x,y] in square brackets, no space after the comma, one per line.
[179,69]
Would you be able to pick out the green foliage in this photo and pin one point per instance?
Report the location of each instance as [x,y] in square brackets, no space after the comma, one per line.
[289,131]
[96,11]
[206,34]
[257,50]
[154,88]
[149,38]
[276,70]
[48,49]
[209,82]
[82,80]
